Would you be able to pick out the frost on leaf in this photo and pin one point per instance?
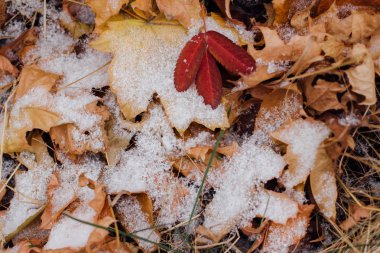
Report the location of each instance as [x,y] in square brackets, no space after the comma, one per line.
[281,236]
[303,138]
[144,59]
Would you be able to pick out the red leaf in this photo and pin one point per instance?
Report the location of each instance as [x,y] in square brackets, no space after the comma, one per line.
[231,56]
[209,81]
[188,62]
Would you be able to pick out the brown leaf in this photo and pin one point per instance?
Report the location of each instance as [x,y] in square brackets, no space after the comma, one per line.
[187,12]
[31,77]
[98,236]
[355,214]
[323,95]
[323,184]
[277,56]
[199,152]
[303,138]
[281,236]
[105,9]
[374,49]
[143,8]
[228,150]
[6,67]
[362,76]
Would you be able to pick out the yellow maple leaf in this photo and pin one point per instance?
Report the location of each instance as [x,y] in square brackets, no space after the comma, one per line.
[144,59]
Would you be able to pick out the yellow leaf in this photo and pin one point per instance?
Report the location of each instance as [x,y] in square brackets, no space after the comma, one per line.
[362,76]
[144,60]
[6,67]
[323,184]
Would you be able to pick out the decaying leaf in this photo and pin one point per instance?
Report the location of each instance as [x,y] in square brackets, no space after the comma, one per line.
[355,214]
[280,237]
[32,77]
[137,218]
[6,67]
[323,95]
[144,8]
[362,76]
[303,138]
[323,184]
[277,56]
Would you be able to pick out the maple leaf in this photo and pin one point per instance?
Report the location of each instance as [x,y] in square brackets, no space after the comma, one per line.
[136,45]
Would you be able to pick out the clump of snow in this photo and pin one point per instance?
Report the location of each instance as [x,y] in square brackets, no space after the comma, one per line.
[6,80]
[349,120]
[71,233]
[30,196]
[235,201]
[26,8]
[147,168]
[327,194]
[68,176]
[281,238]
[69,109]
[303,138]
[137,222]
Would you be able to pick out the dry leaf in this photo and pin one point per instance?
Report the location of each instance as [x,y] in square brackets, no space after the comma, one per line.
[105,9]
[323,184]
[303,138]
[277,56]
[32,77]
[280,237]
[187,12]
[323,95]
[374,49]
[6,67]
[98,236]
[362,76]
[355,214]
[135,214]
[199,152]
[144,8]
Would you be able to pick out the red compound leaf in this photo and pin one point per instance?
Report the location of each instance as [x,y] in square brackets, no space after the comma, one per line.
[188,62]
[234,58]
[209,81]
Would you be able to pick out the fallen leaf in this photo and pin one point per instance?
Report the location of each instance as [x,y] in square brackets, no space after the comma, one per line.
[136,220]
[143,8]
[209,81]
[323,95]
[31,77]
[374,49]
[187,12]
[6,67]
[362,76]
[98,236]
[189,61]
[199,152]
[303,138]
[281,236]
[277,56]
[160,44]
[231,56]
[323,184]
[355,214]
[105,9]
